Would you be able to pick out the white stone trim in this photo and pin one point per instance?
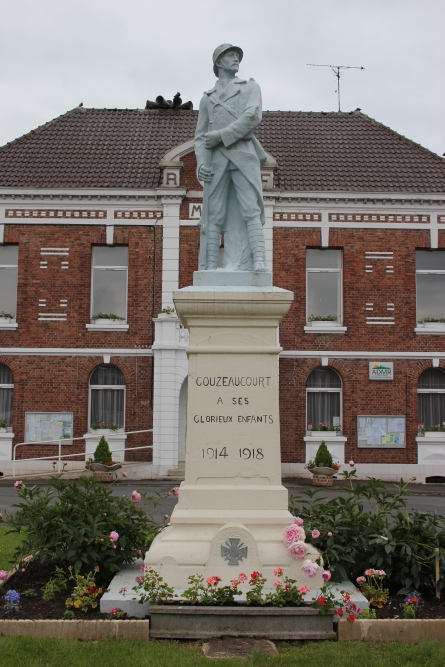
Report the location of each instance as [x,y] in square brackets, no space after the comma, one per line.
[73,352]
[7,324]
[332,329]
[170,249]
[438,330]
[107,327]
[359,354]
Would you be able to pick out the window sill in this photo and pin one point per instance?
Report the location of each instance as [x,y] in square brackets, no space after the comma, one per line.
[107,327]
[324,327]
[9,325]
[325,435]
[430,329]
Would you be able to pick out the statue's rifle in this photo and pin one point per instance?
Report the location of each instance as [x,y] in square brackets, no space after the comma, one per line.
[204,222]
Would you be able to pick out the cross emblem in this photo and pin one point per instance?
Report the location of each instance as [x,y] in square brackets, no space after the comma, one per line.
[233,551]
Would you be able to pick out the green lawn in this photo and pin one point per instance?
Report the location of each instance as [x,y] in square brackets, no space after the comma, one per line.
[8,545]
[24,652]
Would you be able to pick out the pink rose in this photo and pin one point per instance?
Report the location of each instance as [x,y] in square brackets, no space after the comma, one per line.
[326,575]
[242,577]
[293,533]
[298,549]
[124,474]
[136,497]
[315,534]
[351,463]
[278,572]
[166,517]
[114,536]
[3,575]
[361,580]
[175,490]
[310,568]
[17,485]
[278,582]
[298,521]
[329,534]
[113,546]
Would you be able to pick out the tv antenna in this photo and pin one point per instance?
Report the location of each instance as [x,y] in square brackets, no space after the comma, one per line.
[336,70]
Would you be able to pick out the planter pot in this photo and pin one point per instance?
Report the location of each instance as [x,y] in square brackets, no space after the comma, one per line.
[287,623]
[107,321]
[99,467]
[320,324]
[439,435]
[9,429]
[327,472]
[323,476]
[431,325]
[323,434]
[102,431]
[2,429]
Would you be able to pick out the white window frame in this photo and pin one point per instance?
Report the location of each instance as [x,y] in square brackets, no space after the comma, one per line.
[325,326]
[433,328]
[326,390]
[6,323]
[8,386]
[430,391]
[111,325]
[121,387]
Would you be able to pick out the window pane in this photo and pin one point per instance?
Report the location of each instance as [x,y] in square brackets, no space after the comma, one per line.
[322,407]
[6,376]
[430,296]
[323,294]
[430,260]
[323,259]
[110,292]
[107,405]
[107,374]
[117,256]
[9,254]
[433,378]
[8,290]
[324,377]
[431,409]
[6,405]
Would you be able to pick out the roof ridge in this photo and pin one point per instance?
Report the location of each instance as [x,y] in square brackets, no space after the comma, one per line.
[402,136]
[40,128]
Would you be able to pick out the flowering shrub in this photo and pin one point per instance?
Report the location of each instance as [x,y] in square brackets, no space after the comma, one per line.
[348,609]
[371,585]
[411,605]
[74,521]
[287,592]
[151,587]
[116,614]
[12,602]
[208,592]
[85,591]
[310,568]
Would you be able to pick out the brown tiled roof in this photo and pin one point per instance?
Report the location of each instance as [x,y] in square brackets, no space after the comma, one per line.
[121,148]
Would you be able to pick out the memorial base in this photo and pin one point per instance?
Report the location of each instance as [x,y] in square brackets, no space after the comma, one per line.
[232,507]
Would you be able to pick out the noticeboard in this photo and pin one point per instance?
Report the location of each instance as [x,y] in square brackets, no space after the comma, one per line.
[47,426]
[381,431]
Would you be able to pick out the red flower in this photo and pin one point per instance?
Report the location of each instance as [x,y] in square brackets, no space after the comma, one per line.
[351,618]
[321,600]
[254,576]
[339,612]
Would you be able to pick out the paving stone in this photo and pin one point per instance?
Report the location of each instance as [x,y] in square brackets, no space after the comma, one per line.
[238,648]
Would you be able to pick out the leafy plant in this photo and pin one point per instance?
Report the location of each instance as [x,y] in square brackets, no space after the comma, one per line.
[2,423]
[384,536]
[367,614]
[432,319]
[287,592]
[411,605]
[109,425]
[116,614]
[151,587]
[371,585]
[85,591]
[323,458]
[102,453]
[168,310]
[29,593]
[69,615]
[56,584]
[208,592]
[322,318]
[72,521]
[7,316]
[106,316]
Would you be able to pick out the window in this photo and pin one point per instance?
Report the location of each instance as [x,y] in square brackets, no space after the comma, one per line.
[323,398]
[324,285]
[430,280]
[109,281]
[8,280]
[6,394]
[431,397]
[107,395]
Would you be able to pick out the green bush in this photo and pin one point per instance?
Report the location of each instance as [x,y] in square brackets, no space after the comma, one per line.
[323,458]
[102,453]
[382,535]
[71,521]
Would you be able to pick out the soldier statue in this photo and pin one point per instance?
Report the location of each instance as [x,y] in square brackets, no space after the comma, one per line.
[229,161]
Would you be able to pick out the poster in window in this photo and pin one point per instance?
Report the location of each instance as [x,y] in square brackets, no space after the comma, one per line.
[49,427]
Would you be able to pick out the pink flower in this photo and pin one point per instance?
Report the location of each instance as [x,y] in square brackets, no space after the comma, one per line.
[315,533]
[235,583]
[242,577]
[3,575]
[114,536]
[17,485]
[326,575]
[136,497]
[351,463]
[304,589]
[293,533]
[175,490]
[310,568]
[113,546]
[124,474]
[113,610]
[1,516]
[123,591]
[298,521]
[278,582]
[329,534]
[166,517]
[298,549]
[23,569]
[139,579]
[278,572]
[361,580]
[213,581]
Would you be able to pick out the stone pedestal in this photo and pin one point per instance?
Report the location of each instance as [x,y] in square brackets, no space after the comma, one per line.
[232,507]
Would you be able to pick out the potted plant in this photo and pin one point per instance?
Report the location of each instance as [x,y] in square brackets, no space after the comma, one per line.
[2,426]
[436,431]
[6,318]
[328,429]
[104,428]
[103,461]
[431,322]
[322,466]
[322,320]
[106,318]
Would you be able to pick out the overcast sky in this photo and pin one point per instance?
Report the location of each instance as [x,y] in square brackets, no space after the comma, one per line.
[55,54]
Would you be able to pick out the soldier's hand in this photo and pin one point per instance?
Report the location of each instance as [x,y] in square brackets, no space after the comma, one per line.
[205,174]
[212,139]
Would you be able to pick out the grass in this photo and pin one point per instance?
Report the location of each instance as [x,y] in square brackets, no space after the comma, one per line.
[27,652]
[8,545]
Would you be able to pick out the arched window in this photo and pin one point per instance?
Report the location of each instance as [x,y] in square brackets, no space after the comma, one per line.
[431,397]
[107,395]
[323,398]
[6,394]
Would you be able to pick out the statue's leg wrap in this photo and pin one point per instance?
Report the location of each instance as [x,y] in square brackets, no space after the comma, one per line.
[213,243]
[256,239]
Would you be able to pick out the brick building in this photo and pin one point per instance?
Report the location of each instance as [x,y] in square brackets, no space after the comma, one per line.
[98,213]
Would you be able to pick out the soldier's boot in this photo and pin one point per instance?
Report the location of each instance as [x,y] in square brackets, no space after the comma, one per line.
[256,240]
[213,243]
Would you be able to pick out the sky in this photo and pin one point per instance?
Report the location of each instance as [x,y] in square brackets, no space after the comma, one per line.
[56,54]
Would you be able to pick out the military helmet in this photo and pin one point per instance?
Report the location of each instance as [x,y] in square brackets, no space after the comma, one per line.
[221,50]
